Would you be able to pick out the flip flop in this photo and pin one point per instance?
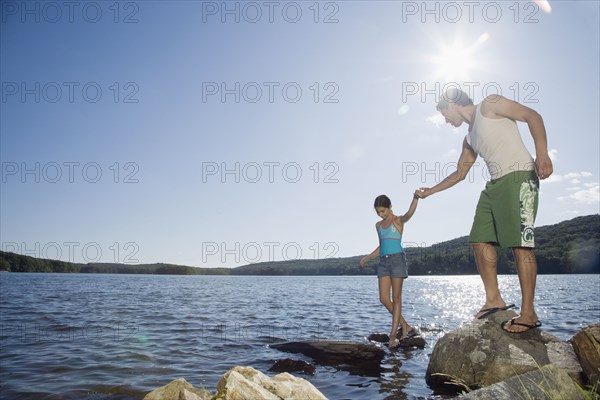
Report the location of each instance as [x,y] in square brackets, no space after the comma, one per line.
[411,332]
[513,322]
[394,343]
[490,311]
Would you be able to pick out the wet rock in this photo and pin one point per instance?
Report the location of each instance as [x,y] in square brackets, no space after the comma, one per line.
[289,365]
[378,337]
[548,382]
[358,358]
[480,354]
[586,344]
[408,342]
[242,383]
[174,390]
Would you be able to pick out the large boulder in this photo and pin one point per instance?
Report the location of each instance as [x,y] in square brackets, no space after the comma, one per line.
[243,383]
[548,382]
[176,390]
[586,344]
[481,353]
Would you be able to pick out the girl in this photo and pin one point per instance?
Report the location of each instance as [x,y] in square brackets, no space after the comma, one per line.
[392,269]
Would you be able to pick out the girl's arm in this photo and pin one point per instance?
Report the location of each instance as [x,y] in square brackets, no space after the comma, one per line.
[411,210]
[366,259]
[374,253]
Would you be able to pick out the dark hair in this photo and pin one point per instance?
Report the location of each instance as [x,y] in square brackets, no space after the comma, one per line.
[453,95]
[382,201]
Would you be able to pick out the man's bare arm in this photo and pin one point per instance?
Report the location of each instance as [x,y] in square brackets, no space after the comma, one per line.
[465,162]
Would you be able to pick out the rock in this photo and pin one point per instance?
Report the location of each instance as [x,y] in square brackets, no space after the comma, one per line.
[289,365]
[293,388]
[548,382]
[586,344]
[378,337]
[363,359]
[242,383]
[187,395]
[173,391]
[412,341]
[480,354]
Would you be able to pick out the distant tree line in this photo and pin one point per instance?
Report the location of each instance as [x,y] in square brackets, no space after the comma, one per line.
[567,247]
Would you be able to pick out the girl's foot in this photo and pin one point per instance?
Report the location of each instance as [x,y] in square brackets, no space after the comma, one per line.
[394,343]
[408,331]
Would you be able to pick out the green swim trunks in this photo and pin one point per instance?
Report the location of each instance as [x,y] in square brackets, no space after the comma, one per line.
[506,211]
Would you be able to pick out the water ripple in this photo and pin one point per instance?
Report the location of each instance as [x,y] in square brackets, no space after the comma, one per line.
[114,337]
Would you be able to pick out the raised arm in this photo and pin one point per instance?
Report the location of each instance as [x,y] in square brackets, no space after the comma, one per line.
[465,162]
[504,107]
[411,210]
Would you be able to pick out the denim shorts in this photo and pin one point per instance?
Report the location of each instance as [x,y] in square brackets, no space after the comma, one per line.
[393,265]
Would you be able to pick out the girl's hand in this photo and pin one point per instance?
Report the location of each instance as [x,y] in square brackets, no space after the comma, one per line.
[363,261]
[422,192]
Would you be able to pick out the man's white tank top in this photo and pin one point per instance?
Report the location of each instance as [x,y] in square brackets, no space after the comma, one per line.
[500,144]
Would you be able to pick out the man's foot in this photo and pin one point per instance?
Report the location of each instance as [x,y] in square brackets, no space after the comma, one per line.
[512,326]
[484,312]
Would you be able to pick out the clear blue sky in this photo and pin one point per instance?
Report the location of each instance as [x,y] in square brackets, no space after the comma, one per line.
[145,94]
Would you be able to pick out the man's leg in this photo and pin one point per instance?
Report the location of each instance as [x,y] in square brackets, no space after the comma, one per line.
[527,271]
[486,260]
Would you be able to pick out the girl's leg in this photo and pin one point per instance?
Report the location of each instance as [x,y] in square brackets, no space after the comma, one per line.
[397,295]
[397,306]
[385,282]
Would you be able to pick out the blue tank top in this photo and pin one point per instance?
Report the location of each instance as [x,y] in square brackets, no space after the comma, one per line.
[390,240]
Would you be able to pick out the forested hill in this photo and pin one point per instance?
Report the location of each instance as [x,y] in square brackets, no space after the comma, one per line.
[571,246]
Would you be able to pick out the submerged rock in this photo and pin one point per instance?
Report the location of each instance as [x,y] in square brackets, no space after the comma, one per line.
[481,353]
[243,383]
[549,382]
[177,388]
[587,347]
[408,342]
[289,365]
[364,359]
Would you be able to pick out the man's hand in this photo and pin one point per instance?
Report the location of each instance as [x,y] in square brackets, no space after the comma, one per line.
[543,166]
[363,261]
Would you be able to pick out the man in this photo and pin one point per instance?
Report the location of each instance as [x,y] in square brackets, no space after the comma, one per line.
[507,207]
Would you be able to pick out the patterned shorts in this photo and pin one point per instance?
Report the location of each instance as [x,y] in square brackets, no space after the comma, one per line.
[506,211]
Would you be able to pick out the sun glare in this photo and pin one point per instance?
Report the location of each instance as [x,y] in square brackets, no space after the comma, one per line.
[457,61]
[544,5]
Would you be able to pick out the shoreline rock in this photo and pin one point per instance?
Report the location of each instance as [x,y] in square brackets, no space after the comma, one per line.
[549,382]
[586,344]
[176,389]
[242,383]
[480,354]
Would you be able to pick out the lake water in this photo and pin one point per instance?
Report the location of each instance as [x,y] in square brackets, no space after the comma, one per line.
[82,336]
